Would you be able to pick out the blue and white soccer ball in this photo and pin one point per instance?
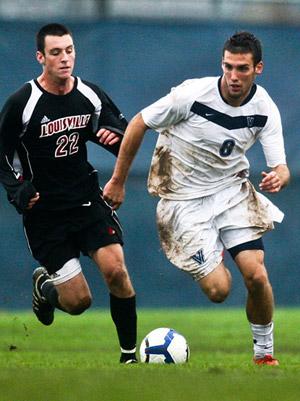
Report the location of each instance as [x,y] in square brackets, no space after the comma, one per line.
[164,345]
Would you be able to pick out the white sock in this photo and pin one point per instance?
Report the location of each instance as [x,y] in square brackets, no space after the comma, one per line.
[262,339]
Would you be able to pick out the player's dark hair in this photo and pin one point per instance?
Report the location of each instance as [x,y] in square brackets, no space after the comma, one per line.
[53,29]
[244,42]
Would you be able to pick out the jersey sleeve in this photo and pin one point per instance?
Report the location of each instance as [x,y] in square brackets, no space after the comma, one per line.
[271,139]
[170,109]
[112,119]
[19,192]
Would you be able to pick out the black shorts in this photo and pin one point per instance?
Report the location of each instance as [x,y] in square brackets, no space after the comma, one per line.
[54,237]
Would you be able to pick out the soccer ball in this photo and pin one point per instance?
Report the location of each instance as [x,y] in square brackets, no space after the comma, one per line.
[164,345]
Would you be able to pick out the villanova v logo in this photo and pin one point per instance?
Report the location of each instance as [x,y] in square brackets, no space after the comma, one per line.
[199,257]
[250,121]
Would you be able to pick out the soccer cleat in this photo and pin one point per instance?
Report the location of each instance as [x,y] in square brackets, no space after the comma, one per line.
[128,358]
[43,310]
[266,360]
[129,361]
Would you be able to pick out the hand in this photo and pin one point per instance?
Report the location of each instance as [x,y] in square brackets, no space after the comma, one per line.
[107,137]
[33,201]
[270,182]
[113,194]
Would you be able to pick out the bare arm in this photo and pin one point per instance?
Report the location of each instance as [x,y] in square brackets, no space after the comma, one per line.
[276,179]
[114,190]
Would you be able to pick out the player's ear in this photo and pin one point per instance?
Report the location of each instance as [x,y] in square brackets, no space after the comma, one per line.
[222,63]
[40,57]
[259,68]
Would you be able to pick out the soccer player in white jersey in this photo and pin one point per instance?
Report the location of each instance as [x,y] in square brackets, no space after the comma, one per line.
[200,172]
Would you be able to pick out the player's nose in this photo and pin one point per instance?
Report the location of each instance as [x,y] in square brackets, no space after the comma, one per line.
[64,56]
[234,75]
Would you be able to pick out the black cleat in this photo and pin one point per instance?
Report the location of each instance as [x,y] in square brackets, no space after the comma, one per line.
[128,358]
[40,306]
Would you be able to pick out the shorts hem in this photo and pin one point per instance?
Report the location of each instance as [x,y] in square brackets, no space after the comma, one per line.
[69,270]
[102,245]
[201,274]
[243,240]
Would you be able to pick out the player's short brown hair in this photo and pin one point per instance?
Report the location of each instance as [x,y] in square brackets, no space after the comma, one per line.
[53,29]
[244,42]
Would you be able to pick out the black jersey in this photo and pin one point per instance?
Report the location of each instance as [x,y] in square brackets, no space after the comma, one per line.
[43,144]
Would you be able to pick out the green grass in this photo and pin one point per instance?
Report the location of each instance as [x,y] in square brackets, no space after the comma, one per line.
[76,359]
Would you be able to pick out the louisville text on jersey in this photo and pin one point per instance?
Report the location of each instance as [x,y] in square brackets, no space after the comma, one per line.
[63,124]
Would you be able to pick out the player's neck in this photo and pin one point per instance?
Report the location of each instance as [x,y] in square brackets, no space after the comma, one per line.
[56,86]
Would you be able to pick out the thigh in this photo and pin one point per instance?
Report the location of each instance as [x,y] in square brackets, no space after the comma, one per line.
[73,290]
[109,258]
[251,263]
[49,238]
[216,282]
[110,261]
[189,236]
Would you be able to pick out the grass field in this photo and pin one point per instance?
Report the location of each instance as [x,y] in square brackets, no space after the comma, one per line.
[76,359]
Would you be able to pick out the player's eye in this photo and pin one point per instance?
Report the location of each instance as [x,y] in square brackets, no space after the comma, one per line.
[228,67]
[55,52]
[243,68]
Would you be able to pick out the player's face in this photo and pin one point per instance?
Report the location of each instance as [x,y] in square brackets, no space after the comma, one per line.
[239,73]
[59,57]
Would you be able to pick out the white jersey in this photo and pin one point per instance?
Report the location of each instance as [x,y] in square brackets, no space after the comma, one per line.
[203,140]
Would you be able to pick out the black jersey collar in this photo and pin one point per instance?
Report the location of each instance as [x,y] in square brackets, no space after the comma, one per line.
[53,94]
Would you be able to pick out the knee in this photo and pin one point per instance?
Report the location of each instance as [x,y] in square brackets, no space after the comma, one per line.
[217,284]
[257,280]
[217,295]
[119,283]
[78,306]
[116,276]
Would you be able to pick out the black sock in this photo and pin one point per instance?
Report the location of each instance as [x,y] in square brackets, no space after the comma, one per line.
[123,313]
[49,291]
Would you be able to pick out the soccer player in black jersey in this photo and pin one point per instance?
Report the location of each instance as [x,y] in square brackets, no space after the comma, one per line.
[44,128]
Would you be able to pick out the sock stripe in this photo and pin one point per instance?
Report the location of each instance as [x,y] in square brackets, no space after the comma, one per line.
[128,351]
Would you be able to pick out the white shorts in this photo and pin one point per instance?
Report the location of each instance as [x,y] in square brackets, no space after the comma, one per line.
[194,233]
[69,270]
